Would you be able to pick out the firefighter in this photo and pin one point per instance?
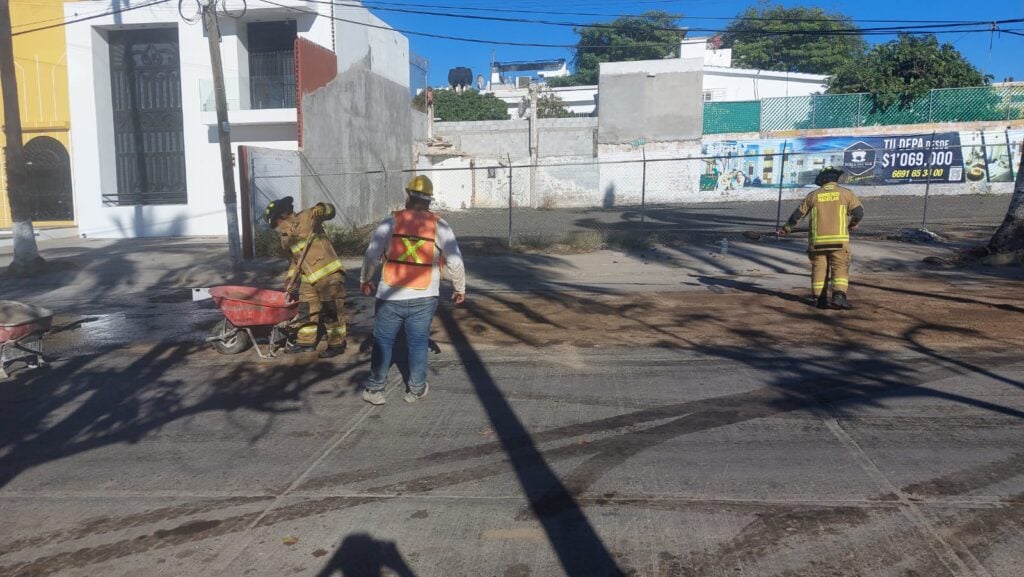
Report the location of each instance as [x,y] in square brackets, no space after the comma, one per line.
[316,277]
[834,211]
[416,246]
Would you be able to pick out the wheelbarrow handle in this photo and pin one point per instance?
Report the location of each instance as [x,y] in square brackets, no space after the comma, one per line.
[298,267]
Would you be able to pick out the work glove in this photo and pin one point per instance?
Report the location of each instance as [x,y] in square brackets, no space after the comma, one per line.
[292,295]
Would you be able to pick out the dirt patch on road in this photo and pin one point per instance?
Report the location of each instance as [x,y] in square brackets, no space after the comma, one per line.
[891,312]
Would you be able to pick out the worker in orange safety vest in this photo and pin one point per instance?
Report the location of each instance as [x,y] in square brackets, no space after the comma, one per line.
[415,246]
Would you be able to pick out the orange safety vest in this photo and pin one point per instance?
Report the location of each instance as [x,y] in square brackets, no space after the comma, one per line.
[409,261]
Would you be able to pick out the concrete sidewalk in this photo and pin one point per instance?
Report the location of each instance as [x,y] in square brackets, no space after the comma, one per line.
[105,274]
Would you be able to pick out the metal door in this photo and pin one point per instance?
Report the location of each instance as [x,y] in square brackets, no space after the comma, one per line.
[149,142]
[49,180]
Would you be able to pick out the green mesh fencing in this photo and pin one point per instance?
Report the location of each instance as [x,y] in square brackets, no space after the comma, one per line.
[723,117]
[850,110]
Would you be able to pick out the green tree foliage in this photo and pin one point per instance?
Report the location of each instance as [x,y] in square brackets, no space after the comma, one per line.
[549,105]
[904,70]
[649,36]
[451,106]
[765,38]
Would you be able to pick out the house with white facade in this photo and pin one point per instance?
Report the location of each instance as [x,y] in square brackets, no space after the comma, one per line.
[145,141]
[721,82]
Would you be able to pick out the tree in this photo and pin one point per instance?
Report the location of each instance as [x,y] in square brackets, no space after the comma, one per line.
[904,70]
[771,37]
[1009,237]
[650,36]
[26,253]
[549,105]
[452,106]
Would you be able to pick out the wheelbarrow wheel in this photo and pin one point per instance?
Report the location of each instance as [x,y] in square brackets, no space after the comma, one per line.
[226,343]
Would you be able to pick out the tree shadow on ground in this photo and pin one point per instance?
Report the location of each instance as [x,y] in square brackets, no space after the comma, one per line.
[98,273]
[95,400]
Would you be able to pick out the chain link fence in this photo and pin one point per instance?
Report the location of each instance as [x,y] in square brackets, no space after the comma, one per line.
[580,205]
[984,103]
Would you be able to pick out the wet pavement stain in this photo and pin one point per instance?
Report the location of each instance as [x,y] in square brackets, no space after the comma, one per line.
[517,570]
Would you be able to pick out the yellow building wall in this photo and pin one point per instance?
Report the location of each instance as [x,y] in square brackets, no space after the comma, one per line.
[40,62]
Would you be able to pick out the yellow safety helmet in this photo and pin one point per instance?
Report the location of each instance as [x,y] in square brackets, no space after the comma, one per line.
[421,186]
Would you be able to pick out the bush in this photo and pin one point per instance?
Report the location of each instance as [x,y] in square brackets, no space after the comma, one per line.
[350,241]
[347,241]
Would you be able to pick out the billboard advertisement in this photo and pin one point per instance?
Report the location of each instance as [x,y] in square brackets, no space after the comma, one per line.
[891,159]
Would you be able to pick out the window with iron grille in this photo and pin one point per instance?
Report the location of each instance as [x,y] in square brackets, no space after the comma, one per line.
[149,142]
[272,64]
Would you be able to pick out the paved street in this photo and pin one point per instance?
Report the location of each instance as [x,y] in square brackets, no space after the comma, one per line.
[578,424]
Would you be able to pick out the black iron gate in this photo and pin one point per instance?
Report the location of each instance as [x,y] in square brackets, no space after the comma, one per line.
[49,180]
[149,142]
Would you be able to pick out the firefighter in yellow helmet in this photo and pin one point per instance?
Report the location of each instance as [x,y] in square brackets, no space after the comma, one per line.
[834,211]
[315,277]
[415,245]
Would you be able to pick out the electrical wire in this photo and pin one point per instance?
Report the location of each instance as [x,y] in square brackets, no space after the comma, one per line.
[417,9]
[194,19]
[887,32]
[605,25]
[57,19]
[92,17]
[229,14]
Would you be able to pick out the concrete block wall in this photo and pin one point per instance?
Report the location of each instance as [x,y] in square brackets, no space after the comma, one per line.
[364,126]
[556,137]
[488,138]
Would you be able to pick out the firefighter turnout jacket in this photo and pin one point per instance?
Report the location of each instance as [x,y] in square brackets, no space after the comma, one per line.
[832,209]
[320,260]
[321,312]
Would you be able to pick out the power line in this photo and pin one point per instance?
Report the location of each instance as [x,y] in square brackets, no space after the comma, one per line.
[92,17]
[58,19]
[604,25]
[886,32]
[374,3]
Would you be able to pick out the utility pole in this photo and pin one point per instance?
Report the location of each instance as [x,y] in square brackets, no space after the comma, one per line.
[223,129]
[26,252]
[534,142]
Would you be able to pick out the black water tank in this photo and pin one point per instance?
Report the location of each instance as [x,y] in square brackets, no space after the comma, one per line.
[460,76]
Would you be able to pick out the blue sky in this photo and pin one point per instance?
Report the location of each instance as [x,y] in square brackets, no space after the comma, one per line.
[1000,60]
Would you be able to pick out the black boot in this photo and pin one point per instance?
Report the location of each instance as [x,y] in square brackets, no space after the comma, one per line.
[291,348]
[332,351]
[822,302]
[839,301]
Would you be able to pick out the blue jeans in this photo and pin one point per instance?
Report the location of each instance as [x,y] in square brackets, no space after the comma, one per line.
[415,315]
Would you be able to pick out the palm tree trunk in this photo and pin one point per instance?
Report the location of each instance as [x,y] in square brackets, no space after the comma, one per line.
[1010,235]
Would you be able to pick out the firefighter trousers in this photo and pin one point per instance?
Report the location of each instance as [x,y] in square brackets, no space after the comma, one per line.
[839,263]
[321,312]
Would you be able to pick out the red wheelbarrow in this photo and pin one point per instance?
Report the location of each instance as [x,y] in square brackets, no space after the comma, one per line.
[250,312]
[22,327]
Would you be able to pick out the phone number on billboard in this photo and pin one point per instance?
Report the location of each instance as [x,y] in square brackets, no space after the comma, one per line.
[917,173]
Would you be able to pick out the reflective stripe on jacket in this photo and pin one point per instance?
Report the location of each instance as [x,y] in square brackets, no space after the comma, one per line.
[307,227]
[829,211]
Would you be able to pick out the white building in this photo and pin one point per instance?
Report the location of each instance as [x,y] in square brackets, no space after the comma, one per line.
[144,138]
[722,82]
